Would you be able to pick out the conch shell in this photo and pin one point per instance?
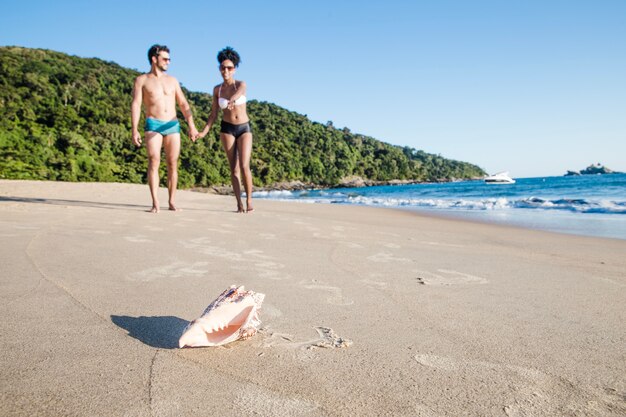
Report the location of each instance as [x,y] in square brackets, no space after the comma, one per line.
[234,315]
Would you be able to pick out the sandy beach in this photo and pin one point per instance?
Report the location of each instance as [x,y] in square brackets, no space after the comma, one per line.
[368,312]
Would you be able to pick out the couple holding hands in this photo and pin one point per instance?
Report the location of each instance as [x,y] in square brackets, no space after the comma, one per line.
[159,93]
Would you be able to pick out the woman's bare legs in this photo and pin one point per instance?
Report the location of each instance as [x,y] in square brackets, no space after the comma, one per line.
[244,148]
[230,147]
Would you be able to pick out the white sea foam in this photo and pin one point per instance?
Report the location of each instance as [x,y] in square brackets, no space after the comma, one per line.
[273,194]
[502,203]
[462,204]
[574,205]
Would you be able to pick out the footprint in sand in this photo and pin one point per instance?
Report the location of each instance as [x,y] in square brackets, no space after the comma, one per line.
[269,265]
[338,232]
[385,257]
[203,246]
[273,275]
[270,270]
[174,270]
[388,234]
[430,243]
[255,253]
[23,227]
[221,231]
[327,339]
[352,245]
[301,223]
[608,280]
[335,298]
[137,239]
[255,400]
[391,245]
[307,226]
[449,364]
[377,285]
[263,262]
[258,272]
[437,362]
[533,392]
[448,277]
[250,260]
[332,236]
[269,311]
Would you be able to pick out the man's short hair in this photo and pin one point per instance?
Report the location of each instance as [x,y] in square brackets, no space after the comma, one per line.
[154,51]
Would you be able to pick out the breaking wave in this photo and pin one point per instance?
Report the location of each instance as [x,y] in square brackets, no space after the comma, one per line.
[336,197]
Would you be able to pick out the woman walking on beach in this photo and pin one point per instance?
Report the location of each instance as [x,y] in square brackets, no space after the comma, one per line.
[235,132]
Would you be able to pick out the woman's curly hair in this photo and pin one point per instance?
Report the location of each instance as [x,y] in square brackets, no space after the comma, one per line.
[229,53]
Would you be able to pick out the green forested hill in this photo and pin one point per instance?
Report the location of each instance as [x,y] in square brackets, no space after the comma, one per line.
[68,118]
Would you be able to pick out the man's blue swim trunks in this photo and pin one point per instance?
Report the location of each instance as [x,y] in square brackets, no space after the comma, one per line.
[164,127]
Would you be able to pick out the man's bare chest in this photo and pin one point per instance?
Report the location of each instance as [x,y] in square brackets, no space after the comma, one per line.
[157,88]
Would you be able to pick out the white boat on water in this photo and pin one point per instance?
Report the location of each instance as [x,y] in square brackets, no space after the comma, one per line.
[500,178]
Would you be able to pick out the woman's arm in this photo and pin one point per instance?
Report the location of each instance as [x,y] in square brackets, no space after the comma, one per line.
[214,109]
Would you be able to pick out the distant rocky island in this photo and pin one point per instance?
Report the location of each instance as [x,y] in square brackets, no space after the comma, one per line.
[593,169]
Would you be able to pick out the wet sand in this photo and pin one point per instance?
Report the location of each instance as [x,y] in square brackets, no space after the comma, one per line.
[367,311]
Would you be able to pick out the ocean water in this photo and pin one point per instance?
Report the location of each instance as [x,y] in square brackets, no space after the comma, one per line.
[589,205]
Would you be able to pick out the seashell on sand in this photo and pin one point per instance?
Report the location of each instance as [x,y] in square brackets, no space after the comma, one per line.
[234,315]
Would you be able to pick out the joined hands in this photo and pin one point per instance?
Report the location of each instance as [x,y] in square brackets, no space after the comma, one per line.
[193,133]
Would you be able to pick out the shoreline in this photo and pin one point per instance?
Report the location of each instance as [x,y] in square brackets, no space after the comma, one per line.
[403,313]
[604,226]
[583,213]
[530,219]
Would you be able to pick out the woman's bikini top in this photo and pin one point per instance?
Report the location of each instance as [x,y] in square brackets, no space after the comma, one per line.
[223,102]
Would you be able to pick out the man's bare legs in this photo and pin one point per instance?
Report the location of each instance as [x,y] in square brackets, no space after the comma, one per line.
[154,142]
[229,144]
[244,150]
[172,152]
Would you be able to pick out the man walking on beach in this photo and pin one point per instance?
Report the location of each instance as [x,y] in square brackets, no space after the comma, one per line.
[159,93]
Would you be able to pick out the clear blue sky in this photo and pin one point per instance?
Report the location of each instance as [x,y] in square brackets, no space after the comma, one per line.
[535,87]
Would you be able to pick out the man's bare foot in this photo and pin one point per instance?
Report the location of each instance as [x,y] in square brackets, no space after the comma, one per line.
[250,208]
[240,208]
[153,210]
[174,208]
